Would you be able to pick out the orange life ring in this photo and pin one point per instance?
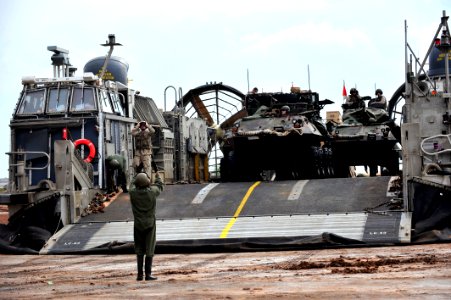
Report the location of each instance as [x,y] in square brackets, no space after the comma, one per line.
[90,145]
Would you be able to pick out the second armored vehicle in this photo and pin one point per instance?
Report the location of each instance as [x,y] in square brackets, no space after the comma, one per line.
[365,138]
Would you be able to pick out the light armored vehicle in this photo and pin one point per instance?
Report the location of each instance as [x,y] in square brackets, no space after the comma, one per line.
[365,138]
[282,138]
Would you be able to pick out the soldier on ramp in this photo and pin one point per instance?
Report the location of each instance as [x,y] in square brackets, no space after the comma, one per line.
[116,169]
[143,197]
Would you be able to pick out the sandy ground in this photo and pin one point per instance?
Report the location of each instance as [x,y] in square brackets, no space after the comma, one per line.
[407,272]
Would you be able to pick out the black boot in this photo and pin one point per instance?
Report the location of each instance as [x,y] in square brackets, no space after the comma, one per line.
[140,260]
[148,268]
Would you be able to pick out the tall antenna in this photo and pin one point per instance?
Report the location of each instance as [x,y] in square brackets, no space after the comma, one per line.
[111,42]
[308,71]
[248,87]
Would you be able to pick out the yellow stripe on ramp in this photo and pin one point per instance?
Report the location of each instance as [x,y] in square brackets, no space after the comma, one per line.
[232,221]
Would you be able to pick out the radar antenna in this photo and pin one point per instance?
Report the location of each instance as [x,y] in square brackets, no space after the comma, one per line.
[111,42]
[60,61]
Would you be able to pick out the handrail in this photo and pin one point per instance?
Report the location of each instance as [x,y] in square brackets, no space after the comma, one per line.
[24,153]
[175,93]
[439,151]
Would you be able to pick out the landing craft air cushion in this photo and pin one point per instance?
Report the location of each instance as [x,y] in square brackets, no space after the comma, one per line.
[53,182]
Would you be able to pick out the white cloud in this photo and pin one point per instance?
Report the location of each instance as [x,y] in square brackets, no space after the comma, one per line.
[106,12]
[176,11]
[320,34]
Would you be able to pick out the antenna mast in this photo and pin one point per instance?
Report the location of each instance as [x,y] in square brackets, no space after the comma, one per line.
[248,87]
[111,42]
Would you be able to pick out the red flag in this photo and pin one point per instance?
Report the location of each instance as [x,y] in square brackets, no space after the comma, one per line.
[345,94]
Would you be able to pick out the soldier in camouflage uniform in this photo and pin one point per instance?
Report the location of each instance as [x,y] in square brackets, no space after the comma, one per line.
[380,101]
[353,101]
[116,167]
[143,198]
[143,147]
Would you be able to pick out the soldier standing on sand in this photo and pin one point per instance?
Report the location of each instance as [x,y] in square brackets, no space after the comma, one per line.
[143,147]
[143,198]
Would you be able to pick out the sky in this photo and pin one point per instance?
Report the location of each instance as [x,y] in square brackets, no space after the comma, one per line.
[188,43]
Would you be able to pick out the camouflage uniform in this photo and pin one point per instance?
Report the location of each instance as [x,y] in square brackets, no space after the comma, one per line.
[143,200]
[379,102]
[143,148]
[354,101]
[120,166]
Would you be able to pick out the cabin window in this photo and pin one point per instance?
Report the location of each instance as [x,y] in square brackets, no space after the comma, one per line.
[58,100]
[105,101]
[32,102]
[117,104]
[83,99]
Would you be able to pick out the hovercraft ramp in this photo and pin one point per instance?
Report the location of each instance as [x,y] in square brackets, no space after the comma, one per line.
[250,214]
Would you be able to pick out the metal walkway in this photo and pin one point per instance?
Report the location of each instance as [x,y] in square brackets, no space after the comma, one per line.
[269,211]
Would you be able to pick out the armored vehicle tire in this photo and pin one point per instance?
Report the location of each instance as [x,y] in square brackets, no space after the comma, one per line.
[230,168]
[224,169]
[393,164]
[235,168]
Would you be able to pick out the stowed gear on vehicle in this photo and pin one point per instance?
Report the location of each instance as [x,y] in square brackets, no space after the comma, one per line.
[281,138]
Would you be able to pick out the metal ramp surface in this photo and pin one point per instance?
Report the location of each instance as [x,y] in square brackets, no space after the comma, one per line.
[268,211]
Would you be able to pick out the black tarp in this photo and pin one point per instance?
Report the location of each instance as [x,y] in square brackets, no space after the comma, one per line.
[29,229]
[431,218]
[325,240]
